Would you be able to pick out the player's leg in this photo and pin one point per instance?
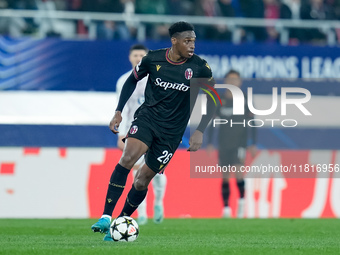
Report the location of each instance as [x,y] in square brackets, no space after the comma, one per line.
[240,187]
[241,153]
[133,150]
[138,190]
[159,185]
[136,194]
[226,213]
[225,159]
[142,214]
[156,159]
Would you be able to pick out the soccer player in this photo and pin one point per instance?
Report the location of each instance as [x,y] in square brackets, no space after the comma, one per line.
[137,52]
[160,121]
[232,142]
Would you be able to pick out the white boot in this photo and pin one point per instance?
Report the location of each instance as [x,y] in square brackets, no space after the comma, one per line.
[141,210]
[226,212]
[159,185]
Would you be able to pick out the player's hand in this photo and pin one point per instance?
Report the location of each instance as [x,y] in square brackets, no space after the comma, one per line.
[253,150]
[195,141]
[114,123]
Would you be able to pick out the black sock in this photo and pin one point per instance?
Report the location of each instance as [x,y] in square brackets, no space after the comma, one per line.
[133,200]
[240,185]
[115,189]
[225,193]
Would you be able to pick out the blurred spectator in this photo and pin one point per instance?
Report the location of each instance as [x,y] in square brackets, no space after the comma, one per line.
[48,26]
[17,26]
[74,5]
[129,11]
[182,7]
[61,5]
[226,8]
[154,31]
[3,4]
[214,8]
[237,8]
[124,30]
[108,29]
[335,4]
[291,9]
[316,10]
[4,22]
[271,11]
[151,6]
[254,9]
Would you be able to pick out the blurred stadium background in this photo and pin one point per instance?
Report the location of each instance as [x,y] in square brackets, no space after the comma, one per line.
[59,63]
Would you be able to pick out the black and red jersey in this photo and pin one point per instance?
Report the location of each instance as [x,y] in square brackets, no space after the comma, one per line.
[167,93]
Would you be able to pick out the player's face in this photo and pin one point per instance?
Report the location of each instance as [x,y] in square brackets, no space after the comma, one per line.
[233,79]
[185,44]
[136,56]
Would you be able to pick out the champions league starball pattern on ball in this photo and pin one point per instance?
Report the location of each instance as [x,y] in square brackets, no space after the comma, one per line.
[124,229]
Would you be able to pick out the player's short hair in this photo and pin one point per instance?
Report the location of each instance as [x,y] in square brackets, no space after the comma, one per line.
[138,47]
[179,27]
[232,71]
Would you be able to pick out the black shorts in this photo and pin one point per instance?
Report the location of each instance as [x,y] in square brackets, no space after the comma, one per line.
[161,146]
[231,157]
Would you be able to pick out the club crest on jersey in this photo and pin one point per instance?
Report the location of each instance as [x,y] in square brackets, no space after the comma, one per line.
[188,73]
[133,130]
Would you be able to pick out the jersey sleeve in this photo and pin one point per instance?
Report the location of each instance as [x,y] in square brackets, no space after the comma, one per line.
[127,90]
[206,75]
[208,79]
[121,81]
[142,68]
[206,71]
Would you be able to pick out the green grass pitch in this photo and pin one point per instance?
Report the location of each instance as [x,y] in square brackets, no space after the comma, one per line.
[175,236]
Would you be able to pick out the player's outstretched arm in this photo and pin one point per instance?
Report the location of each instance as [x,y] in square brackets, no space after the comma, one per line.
[115,121]
[196,139]
[127,90]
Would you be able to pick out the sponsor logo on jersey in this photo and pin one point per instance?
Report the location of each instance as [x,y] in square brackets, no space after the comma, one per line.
[169,85]
[188,73]
[158,67]
[133,130]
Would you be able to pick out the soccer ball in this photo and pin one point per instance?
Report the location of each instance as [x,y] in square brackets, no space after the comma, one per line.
[124,229]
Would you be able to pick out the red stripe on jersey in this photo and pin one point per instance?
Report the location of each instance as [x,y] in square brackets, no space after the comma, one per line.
[172,62]
[135,74]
